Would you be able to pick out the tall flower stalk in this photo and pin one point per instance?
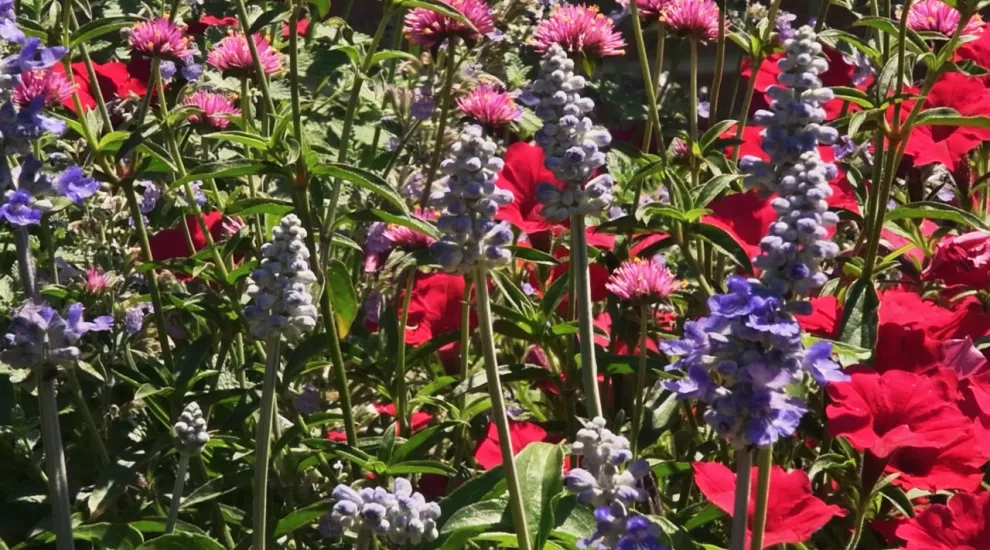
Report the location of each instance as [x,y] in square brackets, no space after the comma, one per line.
[190,437]
[280,306]
[755,61]
[445,103]
[572,145]
[472,243]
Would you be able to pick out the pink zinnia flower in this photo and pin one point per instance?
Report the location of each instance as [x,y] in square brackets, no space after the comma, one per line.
[216,108]
[697,18]
[643,281]
[161,37]
[489,105]
[937,16]
[579,28]
[649,10]
[429,28]
[53,86]
[232,55]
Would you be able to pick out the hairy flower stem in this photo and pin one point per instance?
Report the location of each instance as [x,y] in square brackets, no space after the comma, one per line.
[259,70]
[150,276]
[764,462]
[757,60]
[498,409]
[25,263]
[740,508]
[445,101]
[651,93]
[637,419]
[719,67]
[343,147]
[401,392]
[658,94]
[263,440]
[51,438]
[693,113]
[586,329]
[180,482]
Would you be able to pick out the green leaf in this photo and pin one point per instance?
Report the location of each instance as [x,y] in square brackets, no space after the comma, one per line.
[714,133]
[404,220]
[725,243]
[387,444]
[222,169]
[539,466]
[707,515]
[343,298]
[114,480]
[181,541]
[926,210]
[530,254]
[242,138]
[276,15]
[322,7]
[945,116]
[95,29]
[478,516]
[260,205]
[364,179]
[899,499]
[420,467]
[105,535]
[572,521]
[860,317]
[853,95]
[714,187]
[385,55]
[472,491]
[301,517]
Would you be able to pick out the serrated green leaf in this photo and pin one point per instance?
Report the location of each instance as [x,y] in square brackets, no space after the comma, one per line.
[860,315]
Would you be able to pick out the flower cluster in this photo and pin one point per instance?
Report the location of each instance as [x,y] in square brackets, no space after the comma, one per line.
[578,28]
[39,336]
[470,200]
[741,359]
[695,18]
[601,484]
[937,16]
[402,515]
[643,281]
[232,55]
[162,38]
[190,430]
[217,109]
[490,106]
[52,86]
[279,288]
[569,140]
[428,28]
[796,246]
[28,202]
[22,123]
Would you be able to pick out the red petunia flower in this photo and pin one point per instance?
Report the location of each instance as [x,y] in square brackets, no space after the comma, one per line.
[883,413]
[418,421]
[961,260]
[949,144]
[113,78]
[977,51]
[171,243]
[793,513]
[488,453]
[956,466]
[435,310]
[199,26]
[840,73]
[962,524]
[823,321]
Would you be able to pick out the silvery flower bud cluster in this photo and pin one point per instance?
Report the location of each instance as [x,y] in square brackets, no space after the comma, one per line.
[571,143]
[279,289]
[797,243]
[470,199]
[190,431]
[403,516]
[600,483]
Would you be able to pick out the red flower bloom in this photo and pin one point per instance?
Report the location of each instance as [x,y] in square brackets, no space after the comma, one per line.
[962,260]
[977,50]
[301,27]
[956,466]
[171,243]
[199,27]
[488,454]
[949,144]
[113,78]
[744,216]
[435,307]
[824,318]
[963,524]
[418,421]
[893,241]
[793,513]
[839,73]
[885,412]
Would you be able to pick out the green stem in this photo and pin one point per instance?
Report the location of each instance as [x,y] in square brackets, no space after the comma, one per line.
[259,70]
[445,101]
[651,96]
[294,77]
[757,60]
[740,508]
[465,347]
[822,13]
[719,68]
[87,415]
[94,84]
[51,438]
[150,276]
[498,409]
[180,482]
[263,441]
[340,371]
[693,112]
[637,419]
[219,523]
[25,264]
[764,462]
[586,329]
[401,393]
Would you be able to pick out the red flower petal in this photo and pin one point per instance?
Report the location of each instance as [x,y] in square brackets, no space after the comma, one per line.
[488,453]
[960,525]
[949,144]
[824,318]
[171,243]
[958,465]
[793,513]
[435,307]
[522,173]
[961,260]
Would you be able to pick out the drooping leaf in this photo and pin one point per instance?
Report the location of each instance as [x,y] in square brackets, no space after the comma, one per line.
[301,517]
[343,297]
[539,466]
[860,315]
[89,32]
[181,541]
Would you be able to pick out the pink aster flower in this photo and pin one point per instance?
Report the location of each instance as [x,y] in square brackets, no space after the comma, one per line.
[649,10]
[161,37]
[581,29]
[643,281]
[406,238]
[489,105]
[53,86]
[937,16]
[429,28]
[697,18]
[216,108]
[232,55]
